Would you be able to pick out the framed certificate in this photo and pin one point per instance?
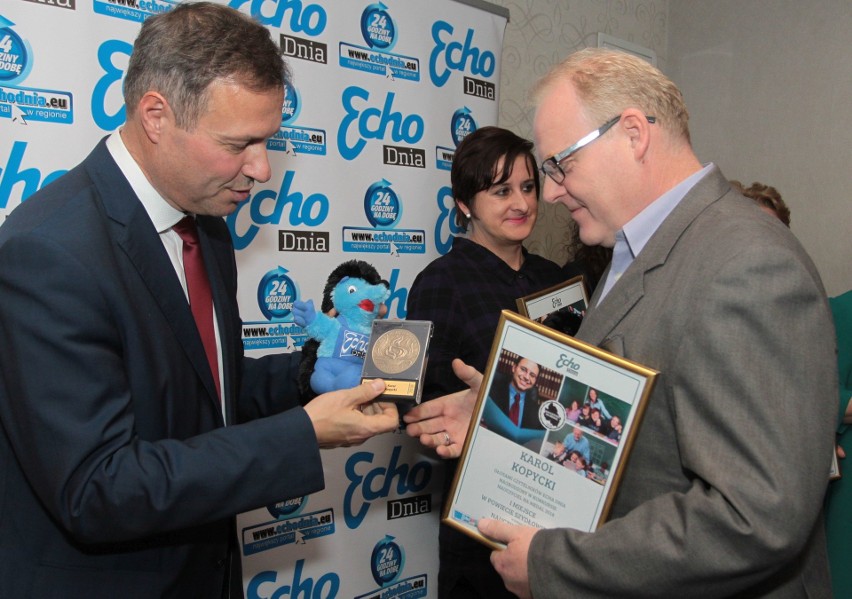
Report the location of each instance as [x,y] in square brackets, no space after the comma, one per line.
[551,432]
[560,307]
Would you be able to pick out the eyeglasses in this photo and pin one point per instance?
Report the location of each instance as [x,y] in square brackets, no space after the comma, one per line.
[552,167]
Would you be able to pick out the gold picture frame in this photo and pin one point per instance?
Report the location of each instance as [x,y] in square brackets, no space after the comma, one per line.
[521,471]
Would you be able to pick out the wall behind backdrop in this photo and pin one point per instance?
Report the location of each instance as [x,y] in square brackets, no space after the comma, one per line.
[768,86]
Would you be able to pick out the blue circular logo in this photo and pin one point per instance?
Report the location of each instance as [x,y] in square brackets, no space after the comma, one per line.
[377,27]
[292,105]
[284,509]
[276,294]
[13,56]
[382,205]
[462,125]
[386,561]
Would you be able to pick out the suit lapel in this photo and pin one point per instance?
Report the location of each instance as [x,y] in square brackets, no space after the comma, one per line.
[133,232]
[602,319]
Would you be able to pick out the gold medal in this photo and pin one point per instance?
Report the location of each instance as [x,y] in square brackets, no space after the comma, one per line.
[396,350]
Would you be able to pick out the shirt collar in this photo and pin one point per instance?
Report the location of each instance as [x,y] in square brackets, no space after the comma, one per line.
[641,227]
[161,213]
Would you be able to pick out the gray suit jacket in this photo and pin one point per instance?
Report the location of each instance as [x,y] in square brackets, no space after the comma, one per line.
[717,498]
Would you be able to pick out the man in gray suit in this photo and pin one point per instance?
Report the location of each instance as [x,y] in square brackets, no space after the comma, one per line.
[724,302]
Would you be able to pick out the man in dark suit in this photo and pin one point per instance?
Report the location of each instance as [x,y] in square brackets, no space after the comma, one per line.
[722,300]
[516,395]
[120,474]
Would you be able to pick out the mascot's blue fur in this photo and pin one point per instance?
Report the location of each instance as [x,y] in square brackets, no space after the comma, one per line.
[333,356]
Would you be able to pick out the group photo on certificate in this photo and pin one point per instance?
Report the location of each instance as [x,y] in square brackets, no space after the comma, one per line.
[591,433]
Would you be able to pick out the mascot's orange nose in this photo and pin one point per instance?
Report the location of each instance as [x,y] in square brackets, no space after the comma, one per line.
[367,305]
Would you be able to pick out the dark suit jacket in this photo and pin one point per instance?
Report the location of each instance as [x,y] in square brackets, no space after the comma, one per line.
[499,394]
[725,303]
[117,476]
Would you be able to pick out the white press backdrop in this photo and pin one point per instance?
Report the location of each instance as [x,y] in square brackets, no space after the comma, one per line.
[383,92]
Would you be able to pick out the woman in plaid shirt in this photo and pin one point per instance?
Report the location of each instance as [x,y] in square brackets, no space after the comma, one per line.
[495,185]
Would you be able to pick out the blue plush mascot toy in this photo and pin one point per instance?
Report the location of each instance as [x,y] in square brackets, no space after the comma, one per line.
[334,354]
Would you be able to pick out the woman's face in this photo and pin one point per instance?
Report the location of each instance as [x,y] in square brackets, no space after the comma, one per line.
[505,213]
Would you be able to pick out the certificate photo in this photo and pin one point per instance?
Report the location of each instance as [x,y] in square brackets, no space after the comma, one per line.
[592,431]
[517,390]
[551,432]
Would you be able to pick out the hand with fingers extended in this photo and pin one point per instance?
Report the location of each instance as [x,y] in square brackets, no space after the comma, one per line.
[442,423]
[511,562]
[350,416]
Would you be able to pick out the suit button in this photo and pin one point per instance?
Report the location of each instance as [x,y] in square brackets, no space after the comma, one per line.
[220,563]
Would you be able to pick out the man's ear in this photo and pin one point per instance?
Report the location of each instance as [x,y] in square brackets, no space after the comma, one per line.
[155,115]
[638,129]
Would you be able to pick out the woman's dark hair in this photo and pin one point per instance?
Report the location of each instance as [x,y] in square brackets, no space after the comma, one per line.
[475,164]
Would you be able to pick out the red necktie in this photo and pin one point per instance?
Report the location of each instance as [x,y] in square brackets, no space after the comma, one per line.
[200,296]
[514,410]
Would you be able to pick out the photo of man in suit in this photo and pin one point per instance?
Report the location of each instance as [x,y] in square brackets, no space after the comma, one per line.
[517,395]
[133,427]
[723,301]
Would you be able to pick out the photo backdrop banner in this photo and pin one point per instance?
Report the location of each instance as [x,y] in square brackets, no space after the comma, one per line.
[382,95]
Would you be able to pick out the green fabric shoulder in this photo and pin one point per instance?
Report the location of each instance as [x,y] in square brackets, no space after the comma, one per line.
[841,309]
